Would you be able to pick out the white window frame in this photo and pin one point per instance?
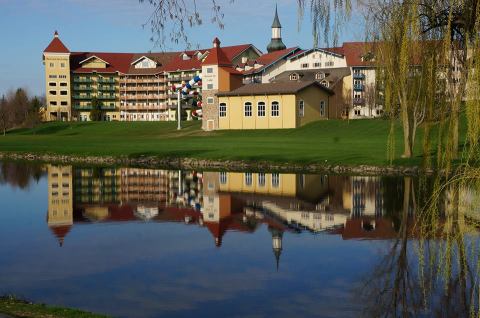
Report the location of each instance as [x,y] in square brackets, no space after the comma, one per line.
[275,112]
[222,113]
[261,112]
[248,179]
[275,180]
[247,112]
[223,177]
[322,108]
[262,179]
[304,65]
[301,108]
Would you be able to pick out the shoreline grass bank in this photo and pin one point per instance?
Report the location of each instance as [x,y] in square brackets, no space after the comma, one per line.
[24,309]
[320,144]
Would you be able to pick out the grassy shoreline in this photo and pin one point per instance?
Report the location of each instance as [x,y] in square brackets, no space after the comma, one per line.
[333,142]
[23,309]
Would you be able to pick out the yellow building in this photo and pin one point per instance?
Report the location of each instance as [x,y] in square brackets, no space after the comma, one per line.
[56,59]
[273,105]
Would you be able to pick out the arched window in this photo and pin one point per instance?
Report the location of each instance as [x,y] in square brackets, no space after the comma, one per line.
[222,110]
[294,77]
[248,109]
[261,109]
[275,111]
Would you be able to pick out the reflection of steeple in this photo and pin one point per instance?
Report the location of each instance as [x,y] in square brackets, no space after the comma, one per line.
[277,236]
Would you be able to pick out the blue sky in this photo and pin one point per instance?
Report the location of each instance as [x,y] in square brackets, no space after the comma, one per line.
[27,26]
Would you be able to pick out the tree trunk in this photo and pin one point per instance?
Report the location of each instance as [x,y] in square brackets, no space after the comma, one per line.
[407,147]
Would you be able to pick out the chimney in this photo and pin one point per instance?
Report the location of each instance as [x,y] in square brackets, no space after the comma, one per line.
[216,42]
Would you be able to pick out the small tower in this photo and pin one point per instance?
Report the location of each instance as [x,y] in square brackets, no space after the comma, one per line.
[276,44]
[56,58]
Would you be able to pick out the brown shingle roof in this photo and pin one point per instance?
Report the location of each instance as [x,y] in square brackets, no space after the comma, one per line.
[281,88]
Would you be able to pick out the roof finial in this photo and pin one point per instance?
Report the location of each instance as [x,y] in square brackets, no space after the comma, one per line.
[276,20]
[55,34]
[216,42]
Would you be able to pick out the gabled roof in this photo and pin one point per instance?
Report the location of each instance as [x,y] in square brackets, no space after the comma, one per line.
[281,88]
[216,56]
[141,58]
[302,53]
[117,62]
[178,64]
[270,58]
[91,58]
[353,52]
[56,46]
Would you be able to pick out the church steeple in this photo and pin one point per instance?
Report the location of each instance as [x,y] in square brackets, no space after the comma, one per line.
[276,44]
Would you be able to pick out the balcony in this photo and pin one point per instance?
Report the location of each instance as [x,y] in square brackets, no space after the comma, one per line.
[359,101]
[85,96]
[108,107]
[83,107]
[358,87]
[358,76]
[106,88]
[106,96]
[82,80]
[83,88]
[106,80]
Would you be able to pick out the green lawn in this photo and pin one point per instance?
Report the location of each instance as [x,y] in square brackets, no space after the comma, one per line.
[23,309]
[334,141]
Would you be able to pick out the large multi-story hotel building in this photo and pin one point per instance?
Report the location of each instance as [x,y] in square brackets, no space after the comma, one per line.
[126,86]
[138,86]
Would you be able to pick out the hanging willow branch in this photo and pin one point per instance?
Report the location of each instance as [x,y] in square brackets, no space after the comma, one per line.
[322,12]
[171,20]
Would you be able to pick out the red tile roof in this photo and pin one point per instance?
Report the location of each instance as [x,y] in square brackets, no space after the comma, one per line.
[179,64]
[269,58]
[56,46]
[216,56]
[353,52]
[117,62]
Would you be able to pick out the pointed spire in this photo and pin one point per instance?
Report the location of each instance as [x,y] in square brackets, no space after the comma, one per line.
[56,45]
[276,20]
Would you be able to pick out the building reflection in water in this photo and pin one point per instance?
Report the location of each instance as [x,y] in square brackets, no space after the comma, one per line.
[352,207]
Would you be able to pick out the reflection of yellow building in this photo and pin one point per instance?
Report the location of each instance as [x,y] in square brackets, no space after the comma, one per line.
[60,200]
[262,183]
[363,196]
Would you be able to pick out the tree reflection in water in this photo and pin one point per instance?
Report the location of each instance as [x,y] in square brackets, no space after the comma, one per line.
[432,267]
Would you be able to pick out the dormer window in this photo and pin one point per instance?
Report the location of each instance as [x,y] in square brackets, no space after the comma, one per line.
[325,83]
[144,62]
[185,57]
[319,76]
[368,57]
[294,77]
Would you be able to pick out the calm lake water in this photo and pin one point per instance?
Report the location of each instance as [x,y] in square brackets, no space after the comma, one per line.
[132,242]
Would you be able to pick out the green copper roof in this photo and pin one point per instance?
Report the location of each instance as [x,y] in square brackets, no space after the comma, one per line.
[275,45]
[276,20]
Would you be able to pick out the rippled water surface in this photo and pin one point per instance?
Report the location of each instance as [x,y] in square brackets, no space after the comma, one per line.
[132,242]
